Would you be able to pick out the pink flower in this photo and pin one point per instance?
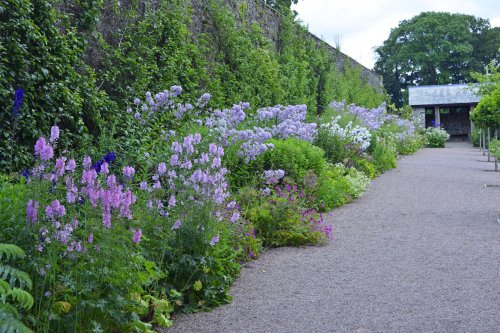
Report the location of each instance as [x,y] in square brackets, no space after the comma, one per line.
[39,145]
[136,237]
[54,133]
[47,153]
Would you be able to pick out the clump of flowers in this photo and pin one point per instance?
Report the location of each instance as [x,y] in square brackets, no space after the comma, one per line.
[355,135]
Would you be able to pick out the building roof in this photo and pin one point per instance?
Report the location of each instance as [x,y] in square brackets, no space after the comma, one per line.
[443,95]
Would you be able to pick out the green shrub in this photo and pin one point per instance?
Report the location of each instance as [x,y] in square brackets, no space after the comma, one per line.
[435,137]
[384,154]
[296,157]
[339,185]
[282,218]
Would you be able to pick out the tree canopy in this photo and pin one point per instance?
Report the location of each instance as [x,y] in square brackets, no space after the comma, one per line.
[435,48]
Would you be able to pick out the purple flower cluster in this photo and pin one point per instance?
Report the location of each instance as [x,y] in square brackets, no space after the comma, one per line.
[371,118]
[193,176]
[273,176]
[98,187]
[165,101]
[288,121]
[43,149]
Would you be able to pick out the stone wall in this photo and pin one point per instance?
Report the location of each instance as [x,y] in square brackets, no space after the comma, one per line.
[418,117]
[111,25]
[269,20]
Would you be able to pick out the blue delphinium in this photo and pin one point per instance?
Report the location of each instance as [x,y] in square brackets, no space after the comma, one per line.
[18,102]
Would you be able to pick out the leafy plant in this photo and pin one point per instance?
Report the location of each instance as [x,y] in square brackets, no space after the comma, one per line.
[14,290]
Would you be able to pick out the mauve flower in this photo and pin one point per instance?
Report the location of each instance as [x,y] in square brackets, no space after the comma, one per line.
[54,133]
[235,217]
[32,211]
[214,240]
[90,239]
[174,160]
[47,153]
[176,225]
[128,171]
[136,237]
[104,168]
[71,165]
[87,162]
[171,201]
[162,168]
[39,145]
[137,101]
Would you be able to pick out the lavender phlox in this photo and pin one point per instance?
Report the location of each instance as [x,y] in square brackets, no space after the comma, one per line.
[54,134]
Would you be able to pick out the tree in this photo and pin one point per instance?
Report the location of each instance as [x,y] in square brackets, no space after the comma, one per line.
[435,48]
[281,4]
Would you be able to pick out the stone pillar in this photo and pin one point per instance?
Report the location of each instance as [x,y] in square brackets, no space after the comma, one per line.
[471,108]
[437,116]
[418,117]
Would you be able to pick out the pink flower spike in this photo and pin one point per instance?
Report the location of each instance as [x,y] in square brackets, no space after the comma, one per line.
[136,237]
[128,171]
[54,133]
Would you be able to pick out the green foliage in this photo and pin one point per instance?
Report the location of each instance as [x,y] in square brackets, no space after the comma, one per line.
[340,185]
[13,297]
[435,48]
[282,218]
[41,53]
[384,153]
[435,137]
[487,112]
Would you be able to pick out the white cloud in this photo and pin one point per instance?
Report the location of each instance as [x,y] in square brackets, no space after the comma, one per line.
[363,25]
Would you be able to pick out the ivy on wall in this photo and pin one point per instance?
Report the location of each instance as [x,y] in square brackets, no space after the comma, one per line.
[80,73]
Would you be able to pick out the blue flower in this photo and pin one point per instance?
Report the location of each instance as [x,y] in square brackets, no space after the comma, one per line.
[109,157]
[18,102]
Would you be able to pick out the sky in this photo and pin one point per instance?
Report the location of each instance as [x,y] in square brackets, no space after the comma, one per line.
[361,25]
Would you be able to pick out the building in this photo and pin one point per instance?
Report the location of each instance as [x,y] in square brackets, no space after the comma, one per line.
[446,105]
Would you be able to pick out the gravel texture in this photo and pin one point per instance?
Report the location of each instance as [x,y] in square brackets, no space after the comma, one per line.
[419,252]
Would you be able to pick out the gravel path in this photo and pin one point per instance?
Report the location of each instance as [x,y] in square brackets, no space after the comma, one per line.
[420,252]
